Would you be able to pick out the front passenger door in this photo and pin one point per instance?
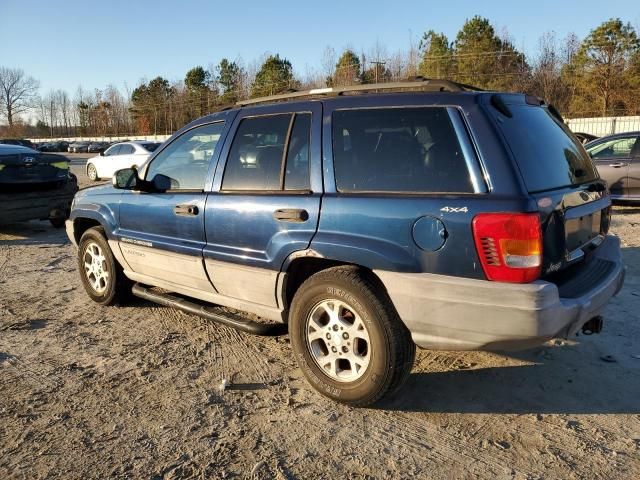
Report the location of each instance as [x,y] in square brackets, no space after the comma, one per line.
[634,172]
[612,159]
[162,235]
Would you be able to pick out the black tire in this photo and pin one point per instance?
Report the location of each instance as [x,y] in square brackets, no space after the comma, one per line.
[392,351]
[116,288]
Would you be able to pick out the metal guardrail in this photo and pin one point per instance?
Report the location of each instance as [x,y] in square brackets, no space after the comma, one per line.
[601,126]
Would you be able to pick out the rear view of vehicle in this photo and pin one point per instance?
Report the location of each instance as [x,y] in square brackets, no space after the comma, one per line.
[562,246]
[34,185]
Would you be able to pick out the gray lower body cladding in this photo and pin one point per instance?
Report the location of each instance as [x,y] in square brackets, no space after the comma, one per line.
[37,205]
[452,313]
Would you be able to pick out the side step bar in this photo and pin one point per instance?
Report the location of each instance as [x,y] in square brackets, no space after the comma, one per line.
[237,322]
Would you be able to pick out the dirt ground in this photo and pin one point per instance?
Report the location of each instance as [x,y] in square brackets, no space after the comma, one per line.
[134,392]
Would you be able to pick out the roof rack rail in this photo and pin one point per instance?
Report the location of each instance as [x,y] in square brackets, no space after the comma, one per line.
[420,84]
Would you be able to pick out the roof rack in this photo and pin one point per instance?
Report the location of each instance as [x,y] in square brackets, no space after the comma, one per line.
[429,85]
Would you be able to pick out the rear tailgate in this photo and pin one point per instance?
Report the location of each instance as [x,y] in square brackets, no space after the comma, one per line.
[556,170]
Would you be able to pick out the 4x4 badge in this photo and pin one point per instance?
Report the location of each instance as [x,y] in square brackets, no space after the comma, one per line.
[454,209]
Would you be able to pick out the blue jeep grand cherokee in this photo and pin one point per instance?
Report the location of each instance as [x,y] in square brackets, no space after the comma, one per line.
[370,222]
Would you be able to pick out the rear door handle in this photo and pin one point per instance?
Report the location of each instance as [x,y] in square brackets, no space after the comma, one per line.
[618,165]
[186,210]
[291,215]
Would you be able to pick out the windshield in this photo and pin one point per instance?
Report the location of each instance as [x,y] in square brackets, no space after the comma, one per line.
[548,155]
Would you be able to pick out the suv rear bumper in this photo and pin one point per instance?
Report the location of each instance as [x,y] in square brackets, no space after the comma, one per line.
[452,313]
[37,205]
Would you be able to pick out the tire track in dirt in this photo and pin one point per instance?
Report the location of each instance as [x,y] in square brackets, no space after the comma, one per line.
[227,349]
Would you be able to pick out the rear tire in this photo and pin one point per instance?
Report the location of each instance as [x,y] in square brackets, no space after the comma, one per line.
[101,275]
[347,337]
[92,173]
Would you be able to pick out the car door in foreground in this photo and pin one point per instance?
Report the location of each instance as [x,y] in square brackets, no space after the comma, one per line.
[266,207]
[162,234]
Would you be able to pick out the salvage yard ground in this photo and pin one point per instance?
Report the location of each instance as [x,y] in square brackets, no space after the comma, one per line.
[134,392]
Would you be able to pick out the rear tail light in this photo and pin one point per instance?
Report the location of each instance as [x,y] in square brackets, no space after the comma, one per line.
[509,246]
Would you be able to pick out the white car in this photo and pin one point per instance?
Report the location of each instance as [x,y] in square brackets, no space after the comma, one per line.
[118,156]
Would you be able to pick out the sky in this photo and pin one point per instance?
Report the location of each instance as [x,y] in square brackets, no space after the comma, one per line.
[67,43]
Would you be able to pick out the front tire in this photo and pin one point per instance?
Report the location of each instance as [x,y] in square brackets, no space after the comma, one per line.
[92,172]
[347,337]
[101,275]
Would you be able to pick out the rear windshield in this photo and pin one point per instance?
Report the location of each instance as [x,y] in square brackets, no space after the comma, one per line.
[150,147]
[548,155]
[413,150]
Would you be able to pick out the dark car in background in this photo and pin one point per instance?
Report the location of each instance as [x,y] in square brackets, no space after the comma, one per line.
[80,147]
[58,146]
[34,186]
[617,158]
[17,141]
[585,137]
[97,147]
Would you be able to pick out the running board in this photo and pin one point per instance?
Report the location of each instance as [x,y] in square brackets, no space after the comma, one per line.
[237,322]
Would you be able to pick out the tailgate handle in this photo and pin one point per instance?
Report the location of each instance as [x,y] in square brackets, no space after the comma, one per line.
[618,165]
[291,215]
[186,210]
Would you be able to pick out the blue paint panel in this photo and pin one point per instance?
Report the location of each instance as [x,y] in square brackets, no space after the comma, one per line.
[149,217]
[240,226]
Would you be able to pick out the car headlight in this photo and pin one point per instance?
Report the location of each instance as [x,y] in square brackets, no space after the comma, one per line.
[61,165]
[1,167]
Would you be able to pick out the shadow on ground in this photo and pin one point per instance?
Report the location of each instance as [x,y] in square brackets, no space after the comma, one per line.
[558,386]
[32,233]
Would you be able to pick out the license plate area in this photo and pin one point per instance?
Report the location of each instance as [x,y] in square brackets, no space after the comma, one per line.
[582,230]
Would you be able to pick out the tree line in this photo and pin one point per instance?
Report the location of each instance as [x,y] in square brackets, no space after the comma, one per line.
[596,76]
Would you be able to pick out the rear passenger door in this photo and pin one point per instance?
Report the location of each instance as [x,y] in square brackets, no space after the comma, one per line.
[266,199]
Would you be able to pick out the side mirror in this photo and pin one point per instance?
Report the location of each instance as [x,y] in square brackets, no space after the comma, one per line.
[102,154]
[161,183]
[126,179]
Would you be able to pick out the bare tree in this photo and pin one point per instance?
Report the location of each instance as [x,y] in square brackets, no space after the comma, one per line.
[18,92]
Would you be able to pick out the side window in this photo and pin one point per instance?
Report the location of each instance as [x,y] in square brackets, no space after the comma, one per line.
[398,150]
[297,169]
[620,147]
[126,150]
[113,150]
[256,154]
[186,159]
[259,148]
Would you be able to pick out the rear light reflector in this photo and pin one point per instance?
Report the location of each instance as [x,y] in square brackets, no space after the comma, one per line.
[509,246]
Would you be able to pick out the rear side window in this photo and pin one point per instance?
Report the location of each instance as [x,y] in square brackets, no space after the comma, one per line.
[126,150]
[411,150]
[620,147]
[150,147]
[548,155]
[269,153]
